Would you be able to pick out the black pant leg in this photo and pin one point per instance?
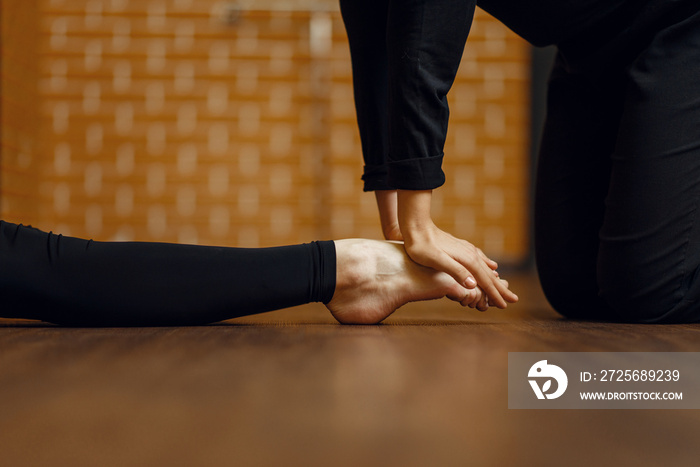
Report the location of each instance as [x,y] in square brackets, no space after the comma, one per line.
[425,42]
[73,281]
[649,259]
[365,23]
[618,188]
[405,55]
[572,182]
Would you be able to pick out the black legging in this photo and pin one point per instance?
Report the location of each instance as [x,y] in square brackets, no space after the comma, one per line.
[72,281]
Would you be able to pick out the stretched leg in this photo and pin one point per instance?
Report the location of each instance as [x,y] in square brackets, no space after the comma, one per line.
[78,282]
[650,239]
[572,182]
[73,281]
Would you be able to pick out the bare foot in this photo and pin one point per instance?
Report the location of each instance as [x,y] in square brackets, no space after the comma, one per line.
[374,278]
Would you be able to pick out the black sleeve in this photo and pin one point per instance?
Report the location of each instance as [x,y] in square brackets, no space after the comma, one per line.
[405,55]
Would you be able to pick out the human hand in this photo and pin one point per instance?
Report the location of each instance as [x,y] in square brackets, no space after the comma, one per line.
[467,264]
[430,246]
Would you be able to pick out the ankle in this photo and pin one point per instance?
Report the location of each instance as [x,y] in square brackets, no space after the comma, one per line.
[352,263]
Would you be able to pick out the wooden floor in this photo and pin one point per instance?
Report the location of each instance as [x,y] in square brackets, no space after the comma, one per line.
[292,388]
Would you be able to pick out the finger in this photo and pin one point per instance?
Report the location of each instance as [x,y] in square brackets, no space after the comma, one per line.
[490,284]
[482,304]
[507,294]
[472,259]
[475,296]
[500,295]
[437,259]
[459,294]
[454,268]
[472,301]
[491,263]
[499,288]
[471,298]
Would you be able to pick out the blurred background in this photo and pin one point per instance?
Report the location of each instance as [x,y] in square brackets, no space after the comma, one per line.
[233,123]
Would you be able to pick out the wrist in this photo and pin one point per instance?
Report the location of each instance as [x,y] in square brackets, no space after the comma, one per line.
[388,217]
[414,211]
